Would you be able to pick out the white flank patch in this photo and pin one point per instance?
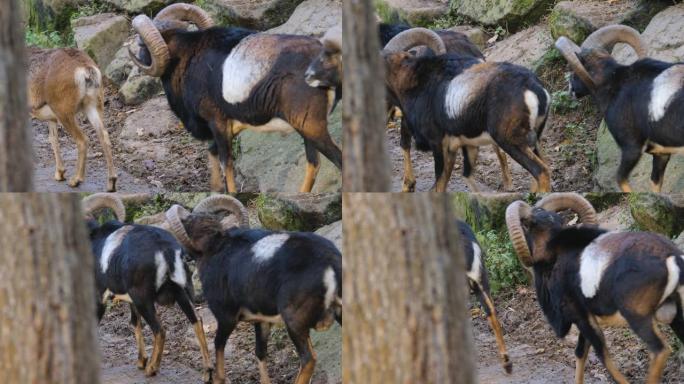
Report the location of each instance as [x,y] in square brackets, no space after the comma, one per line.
[474,273]
[178,276]
[112,242]
[330,286]
[242,70]
[162,268]
[593,263]
[665,86]
[44,113]
[266,247]
[463,89]
[532,102]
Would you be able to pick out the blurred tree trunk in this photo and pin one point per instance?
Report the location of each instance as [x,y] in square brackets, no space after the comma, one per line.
[47,294]
[16,168]
[366,166]
[405,292]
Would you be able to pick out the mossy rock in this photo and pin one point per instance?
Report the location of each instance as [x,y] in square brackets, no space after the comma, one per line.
[513,14]
[302,212]
[564,22]
[484,212]
[255,14]
[603,200]
[655,213]
[411,12]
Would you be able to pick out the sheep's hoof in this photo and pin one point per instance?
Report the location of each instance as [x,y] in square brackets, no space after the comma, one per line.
[150,370]
[219,380]
[206,375]
[142,362]
[111,184]
[409,186]
[59,175]
[74,182]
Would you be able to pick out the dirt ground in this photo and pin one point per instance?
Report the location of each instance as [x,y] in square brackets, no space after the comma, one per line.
[182,361]
[539,357]
[184,169]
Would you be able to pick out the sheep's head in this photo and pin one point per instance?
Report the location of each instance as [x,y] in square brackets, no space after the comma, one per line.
[531,228]
[200,230]
[592,61]
[399,62]
[153,53]
[326,69]
[99,201]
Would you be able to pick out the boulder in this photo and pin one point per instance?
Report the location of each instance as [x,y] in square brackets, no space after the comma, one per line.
[655,213]
[523,48]
[100,36]
[418,13]
[474,34]
[298,212]
[140,6]
[511,13]
[312,17]
[328,347]
[664,37]
[332,232]
[120,67]
[138,88]
[680,241]
[484,211]
[256,14]
[270,162]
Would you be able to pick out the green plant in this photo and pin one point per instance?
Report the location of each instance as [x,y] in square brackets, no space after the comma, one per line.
[562,102]
[43,39]
[503,267]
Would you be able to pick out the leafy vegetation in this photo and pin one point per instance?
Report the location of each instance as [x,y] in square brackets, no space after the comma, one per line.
[503,267]
[562,102]
[44,39]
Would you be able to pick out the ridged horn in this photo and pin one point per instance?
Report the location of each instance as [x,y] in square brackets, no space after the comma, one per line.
[186,12]
[569,51]
[174,217]
[570,200]
[515,212]
[217,203]
[104,200]
[414,37]
[155,44]
[608,36]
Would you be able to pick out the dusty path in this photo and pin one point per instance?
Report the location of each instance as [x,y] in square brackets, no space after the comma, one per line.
[539,357]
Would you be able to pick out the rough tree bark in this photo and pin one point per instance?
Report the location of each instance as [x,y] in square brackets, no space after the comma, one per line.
[404,292]
[16,169]
[47,294]
[366,166]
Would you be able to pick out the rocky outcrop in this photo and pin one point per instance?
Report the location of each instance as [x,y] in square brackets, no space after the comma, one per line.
[511,13]
[256,14]
[140,6]
[414,12]
[664,37]
[656,213]
[474,34]
[100,36]
[312,17]
[138,88]
[270,162]
[300,212]
[523,48]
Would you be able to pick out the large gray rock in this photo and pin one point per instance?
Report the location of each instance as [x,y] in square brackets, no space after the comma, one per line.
[312,17]
[120,67]
[414,12]
[523,48]
[474,34]
[664,37]
[332,232]
[139,6]
[298,212]
[512,13]
[257,14]
[138,88]
[270,162]
[656,213]
[100,36]
[577,19]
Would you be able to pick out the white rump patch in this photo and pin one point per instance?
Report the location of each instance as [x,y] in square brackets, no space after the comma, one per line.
[593,263]
[672,277]
[243,69]
[112,242]
[474,272]
[162,268]
[532,102]
[330,286]
[266,247]
[463,89]
[178,276]
[665,86]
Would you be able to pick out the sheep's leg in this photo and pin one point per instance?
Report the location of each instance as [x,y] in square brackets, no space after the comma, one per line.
[628,160]
[469,162]
[677,324]
[490,311]
[446,161]
[532,163]
[409,182]
[581,354]
[223,137]
[94,114]
[307,355]
[313,164]
[225,328]
[505,170]
[216,177]
[658,171]
[647,329]
[185,303]
[54,141]
[262,332]
[148,313]
[72,128]
[592,332]
[139,338]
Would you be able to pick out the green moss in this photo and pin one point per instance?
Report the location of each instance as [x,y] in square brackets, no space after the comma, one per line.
[655,213]
[503,267]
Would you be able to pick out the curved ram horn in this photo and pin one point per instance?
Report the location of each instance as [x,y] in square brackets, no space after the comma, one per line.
[573,201]
[217,203]
[514,215]
[569,50]
[174,217]
[155,44]
[608,36]
[186,12]
[414,37]
[104,200]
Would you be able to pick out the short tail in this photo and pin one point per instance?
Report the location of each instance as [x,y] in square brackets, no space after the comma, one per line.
[88,80]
